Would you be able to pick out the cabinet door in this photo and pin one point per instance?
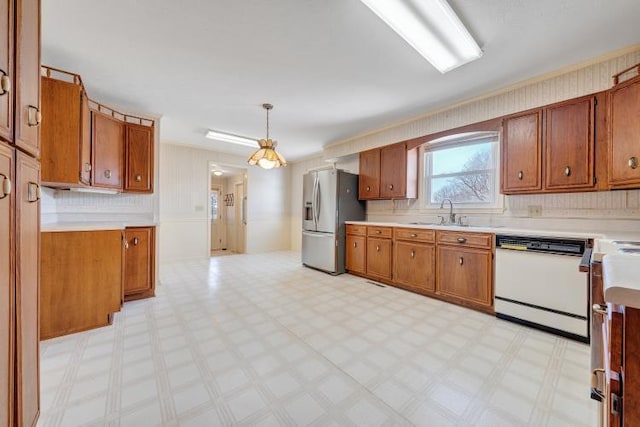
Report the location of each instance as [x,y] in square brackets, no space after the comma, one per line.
[393,171]
[465,274]
[139,266]
[139,158]
[6,72]
[108,146]
[624,145]
[414,265]
[7,280]
[356,254]
[521,153]
[27,80]
[379,257]
[85,140]
[27,289]
[569,145]
[369,179]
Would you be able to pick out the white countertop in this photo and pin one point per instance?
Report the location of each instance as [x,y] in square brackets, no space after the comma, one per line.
[621,279]
[487,229]
[91,226]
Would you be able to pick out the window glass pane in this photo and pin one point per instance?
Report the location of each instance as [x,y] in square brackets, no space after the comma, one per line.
[214,205]
[462,159]
[465,188]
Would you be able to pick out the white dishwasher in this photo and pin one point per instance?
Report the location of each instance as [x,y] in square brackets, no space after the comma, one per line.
[538,284]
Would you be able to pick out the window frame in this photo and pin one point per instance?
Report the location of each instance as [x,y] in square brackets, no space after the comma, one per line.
[453,141]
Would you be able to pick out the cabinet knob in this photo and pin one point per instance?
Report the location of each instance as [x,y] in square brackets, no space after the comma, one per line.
[599,309]
[135,241]
[138,178]
[6,186]
[390,186]
[378,232]
[567,171]
[33,192]
[633,162]
[414,235]
[87,167]
[126,244]
[377,248]
[5,83]
[520,175]
[461,260]
[413,253]
[107,173]
[368,188]
[34,117]
[462,239]
[355,244]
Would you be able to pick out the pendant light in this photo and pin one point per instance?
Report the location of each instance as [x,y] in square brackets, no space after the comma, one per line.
[267,157]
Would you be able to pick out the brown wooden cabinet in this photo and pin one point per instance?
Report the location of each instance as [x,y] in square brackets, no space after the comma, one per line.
[7,75]
[107,138]
[522,153]
[65,134]
[80,292]
[379,252]
[369,175]
[569,145]
[139,278]
[464,271]
[414,259]
[139,158]
[356,251]
[624,142]
[389,172]
[7,286]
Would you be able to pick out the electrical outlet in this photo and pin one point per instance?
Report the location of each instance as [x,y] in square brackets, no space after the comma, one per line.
[534,210]
[198,208]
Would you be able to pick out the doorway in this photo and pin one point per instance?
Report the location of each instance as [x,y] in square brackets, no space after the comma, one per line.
[227,210]
[217,219]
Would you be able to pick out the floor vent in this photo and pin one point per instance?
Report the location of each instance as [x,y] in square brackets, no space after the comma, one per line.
[376,284]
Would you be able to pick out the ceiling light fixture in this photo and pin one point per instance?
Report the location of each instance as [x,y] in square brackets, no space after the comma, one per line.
[229,137]
[430,27]
[218,173]
[267,157]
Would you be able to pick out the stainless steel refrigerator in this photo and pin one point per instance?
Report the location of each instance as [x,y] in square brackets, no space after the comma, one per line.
[329,198]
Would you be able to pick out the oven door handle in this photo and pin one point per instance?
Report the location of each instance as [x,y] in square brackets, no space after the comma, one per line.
[595,393]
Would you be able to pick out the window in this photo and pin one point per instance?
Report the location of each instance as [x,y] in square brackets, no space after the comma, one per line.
[463,169]
[214,204]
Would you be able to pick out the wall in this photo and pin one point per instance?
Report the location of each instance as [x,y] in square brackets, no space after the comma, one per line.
[184,180]
[601,211]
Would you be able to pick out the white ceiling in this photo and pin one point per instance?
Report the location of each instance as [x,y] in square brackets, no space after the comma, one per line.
[331,68]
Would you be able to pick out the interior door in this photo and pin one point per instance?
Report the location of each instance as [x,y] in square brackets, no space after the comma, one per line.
[241,218]
[325,201]
[216,219]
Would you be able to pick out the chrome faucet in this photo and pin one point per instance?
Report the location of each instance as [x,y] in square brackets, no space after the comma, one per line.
[452,216]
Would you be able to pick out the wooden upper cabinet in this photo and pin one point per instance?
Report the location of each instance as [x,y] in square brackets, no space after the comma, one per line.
[393,171]
[369,176]
[7,76]
[624,139]
[139,280]
[569,145]
[27,83]
[7,280]
[65,134]
[27,289]
[139,158]
[108,151]
[521,153]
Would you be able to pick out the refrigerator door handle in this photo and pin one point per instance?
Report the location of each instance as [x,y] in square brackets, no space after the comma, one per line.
[313,199]
[317,200]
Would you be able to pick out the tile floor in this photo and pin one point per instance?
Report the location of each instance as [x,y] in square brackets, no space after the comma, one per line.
[260,340]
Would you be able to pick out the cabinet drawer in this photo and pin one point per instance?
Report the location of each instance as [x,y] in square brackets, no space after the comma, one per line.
[478,240]
[358,230]
[383,232]
[414,234]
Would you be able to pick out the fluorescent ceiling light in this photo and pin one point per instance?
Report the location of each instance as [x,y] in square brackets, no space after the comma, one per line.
[432,28]
[229,137]
[92,190]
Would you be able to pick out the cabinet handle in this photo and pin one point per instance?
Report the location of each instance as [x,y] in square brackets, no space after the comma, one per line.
[567,171]
[34,116]
[462,239]
[599,309]
[378,232]
[377,248]
[413,253]
[594,382]
[126,243]
[5,83]
[633,162]
[135,241]
[138,178]
[33,192]
[520,175]
[6,186]
[461,260]
[107,173]
[368,188]
[87,167]
[414,235]
[355,244]
[390,186]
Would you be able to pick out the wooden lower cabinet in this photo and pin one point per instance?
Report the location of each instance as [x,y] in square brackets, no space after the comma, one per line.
[465,274]
[139,281]
[356,261]
[82,277]
[7,286]
[413,265]
[379,257]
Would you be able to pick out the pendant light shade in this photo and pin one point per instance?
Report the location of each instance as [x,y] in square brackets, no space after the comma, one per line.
[267,157]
